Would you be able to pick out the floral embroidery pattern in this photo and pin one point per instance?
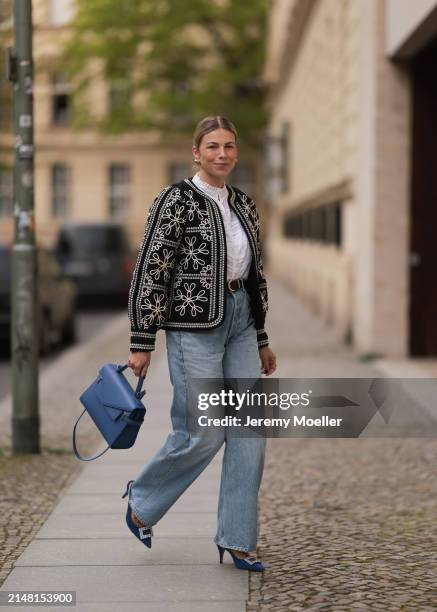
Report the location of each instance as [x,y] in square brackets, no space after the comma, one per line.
[206,276]
[189,300]
[164,265]
[193,207]
[254,220]
[246,205]
[250,212]
[174,220]
[156,245]
[156,309]
[148,280]
[264,300]
[205,227]
[146,291]
[192,253]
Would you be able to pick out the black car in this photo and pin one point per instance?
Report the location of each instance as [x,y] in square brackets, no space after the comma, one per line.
[56,301]
[98,258]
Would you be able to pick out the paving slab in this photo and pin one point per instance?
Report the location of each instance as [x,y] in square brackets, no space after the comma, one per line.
[91,484]
[111,551]
[113,504]
[107,472]
[149,441]
[91,526]
[117,585]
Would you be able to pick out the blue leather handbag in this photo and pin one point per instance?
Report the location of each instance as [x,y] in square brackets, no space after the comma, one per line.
[114,407]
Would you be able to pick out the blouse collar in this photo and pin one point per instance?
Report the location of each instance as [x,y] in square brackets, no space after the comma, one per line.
[211,190]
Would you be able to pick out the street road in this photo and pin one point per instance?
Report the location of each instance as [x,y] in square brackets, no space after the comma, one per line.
[88,324]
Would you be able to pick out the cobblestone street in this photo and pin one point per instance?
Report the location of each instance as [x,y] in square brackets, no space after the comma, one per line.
[30,486]
[348,524]
[344,524]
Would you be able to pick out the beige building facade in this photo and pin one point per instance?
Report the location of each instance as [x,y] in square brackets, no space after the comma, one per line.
[86,175]
[350,83]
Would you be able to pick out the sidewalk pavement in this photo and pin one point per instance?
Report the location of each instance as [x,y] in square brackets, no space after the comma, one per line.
[85,546]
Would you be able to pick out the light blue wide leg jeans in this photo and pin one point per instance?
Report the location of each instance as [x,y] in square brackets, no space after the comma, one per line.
[228,351]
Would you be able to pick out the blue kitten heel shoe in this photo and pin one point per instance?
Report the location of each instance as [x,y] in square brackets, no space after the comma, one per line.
[144,534]
[248,563]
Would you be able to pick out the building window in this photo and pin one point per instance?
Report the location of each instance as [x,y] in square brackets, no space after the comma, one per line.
[61,183]
[272,186]
[285,157]
[61,102]
[277,150]
[321,224]
[119,190]
[6,192]
[61,12]
[119,96]
[178,171]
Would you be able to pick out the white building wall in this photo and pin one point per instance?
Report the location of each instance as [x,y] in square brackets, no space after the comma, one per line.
[349,108]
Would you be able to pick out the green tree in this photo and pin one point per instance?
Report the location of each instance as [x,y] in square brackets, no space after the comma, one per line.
[189,58]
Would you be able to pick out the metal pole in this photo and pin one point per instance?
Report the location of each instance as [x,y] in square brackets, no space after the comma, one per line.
[24,339]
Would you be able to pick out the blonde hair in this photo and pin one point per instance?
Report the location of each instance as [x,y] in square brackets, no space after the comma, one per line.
[209,124]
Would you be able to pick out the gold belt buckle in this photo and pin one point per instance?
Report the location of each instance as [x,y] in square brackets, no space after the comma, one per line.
[229,286]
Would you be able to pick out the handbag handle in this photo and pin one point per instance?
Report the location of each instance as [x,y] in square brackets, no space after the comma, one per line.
[76,452]
[138,391]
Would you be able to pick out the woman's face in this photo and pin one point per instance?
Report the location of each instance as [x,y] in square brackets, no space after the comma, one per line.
[217,153]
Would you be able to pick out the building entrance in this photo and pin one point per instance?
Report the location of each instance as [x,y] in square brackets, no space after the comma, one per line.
[423,232]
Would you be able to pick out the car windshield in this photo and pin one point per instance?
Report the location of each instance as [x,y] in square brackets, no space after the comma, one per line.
[85,240]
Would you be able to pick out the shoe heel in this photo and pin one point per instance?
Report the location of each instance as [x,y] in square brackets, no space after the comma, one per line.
[247,563]
[221,552]
[127,489]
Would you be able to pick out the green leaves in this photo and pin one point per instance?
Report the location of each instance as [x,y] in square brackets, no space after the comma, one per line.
[188,59]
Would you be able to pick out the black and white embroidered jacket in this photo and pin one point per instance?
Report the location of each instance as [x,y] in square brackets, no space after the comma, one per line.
[179,281]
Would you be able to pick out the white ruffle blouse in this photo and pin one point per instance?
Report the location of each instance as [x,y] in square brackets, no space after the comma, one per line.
[239,256]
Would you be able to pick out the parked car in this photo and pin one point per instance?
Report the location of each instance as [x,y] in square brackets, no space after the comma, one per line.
[98,258]
[56,301]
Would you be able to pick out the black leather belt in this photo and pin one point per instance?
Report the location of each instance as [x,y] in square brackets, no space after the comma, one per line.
[235,285]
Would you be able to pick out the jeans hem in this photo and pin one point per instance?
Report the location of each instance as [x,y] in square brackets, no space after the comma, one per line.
[138,515]
[232,547]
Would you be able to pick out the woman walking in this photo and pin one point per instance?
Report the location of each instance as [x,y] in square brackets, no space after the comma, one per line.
[199,276]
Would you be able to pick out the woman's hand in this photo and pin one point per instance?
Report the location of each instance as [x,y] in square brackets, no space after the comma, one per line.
[139,362]
[268,360]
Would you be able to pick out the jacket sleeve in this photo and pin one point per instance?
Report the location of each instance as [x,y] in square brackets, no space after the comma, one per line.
[261,334]
[148,295]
